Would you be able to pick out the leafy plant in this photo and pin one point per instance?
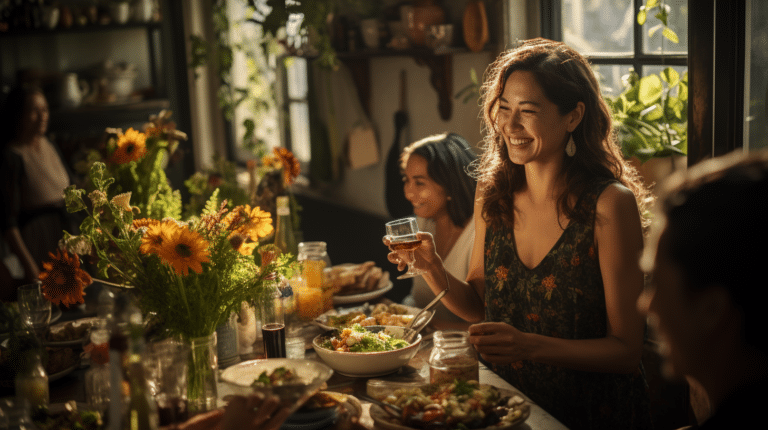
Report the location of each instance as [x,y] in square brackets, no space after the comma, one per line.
[662,15]
[651,115]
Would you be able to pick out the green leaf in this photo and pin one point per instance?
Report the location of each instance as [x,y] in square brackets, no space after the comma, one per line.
[662,16]
[671,35]
[650,4]
[641,17]
[670,76]
[652,113]
[650,89]
[73,199]
[654,29]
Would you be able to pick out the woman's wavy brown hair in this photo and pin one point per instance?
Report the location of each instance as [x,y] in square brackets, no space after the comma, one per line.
[566,79]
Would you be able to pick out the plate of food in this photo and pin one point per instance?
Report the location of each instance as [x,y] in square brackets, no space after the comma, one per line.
[460,404]
[61,362]
[357,283]
[393,314]
[365,352]
[70,333]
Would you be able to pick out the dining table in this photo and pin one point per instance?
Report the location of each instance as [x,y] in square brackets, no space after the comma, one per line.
[72,387]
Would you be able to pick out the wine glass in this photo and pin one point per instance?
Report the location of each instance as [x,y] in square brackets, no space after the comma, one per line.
[34,308]
[402,234]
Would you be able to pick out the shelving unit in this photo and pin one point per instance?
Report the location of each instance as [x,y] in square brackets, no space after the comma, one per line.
[440,64]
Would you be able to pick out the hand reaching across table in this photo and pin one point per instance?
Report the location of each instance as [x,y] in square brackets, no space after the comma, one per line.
[253,412]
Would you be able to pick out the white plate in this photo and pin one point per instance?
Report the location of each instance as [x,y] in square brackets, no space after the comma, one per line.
[322,320]
[362,297]
[384,421]
[64,372]
[72,342]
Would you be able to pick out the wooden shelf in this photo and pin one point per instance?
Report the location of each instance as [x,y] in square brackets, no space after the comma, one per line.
[440,64]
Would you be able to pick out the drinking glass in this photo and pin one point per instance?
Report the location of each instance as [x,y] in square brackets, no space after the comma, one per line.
[166,365]
[403,238]
[34,308]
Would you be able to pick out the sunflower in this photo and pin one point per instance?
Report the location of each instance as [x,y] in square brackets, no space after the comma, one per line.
[242,243]
[143,222]
[183,250]
[63,280]
[131,146]
[291,166]
[256,223]
[155,236]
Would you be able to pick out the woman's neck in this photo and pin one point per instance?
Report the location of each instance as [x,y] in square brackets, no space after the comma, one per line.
[544,182]
[446,234]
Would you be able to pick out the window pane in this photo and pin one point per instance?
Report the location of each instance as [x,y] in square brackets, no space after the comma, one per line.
[299,117]
[610,78]
[678,22]
[296,75]
[599,27]
[755,129]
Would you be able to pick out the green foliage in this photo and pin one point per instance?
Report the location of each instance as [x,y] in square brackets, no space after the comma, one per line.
[662,14]
[651,115]
[190,305]
[221,177]
[472,90]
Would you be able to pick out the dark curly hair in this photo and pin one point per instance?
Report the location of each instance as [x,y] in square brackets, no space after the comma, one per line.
[566,79]
[448,157]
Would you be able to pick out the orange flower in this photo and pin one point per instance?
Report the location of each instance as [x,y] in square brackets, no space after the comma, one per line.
[143,222]
[592,252]
[533,317]
[575,260]
[256,223]
[157,233]
[291,166]
[131,146]
[63,280]
[549,282]
[185,249]
[517,365]
[501,273]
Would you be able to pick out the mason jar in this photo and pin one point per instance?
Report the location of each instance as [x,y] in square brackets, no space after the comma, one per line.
[314,295]
[452,358]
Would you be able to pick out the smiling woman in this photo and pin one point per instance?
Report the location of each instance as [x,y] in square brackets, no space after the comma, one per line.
[441,191]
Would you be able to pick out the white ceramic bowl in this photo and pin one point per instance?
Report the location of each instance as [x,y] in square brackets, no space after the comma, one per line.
[240,376]
[368,364]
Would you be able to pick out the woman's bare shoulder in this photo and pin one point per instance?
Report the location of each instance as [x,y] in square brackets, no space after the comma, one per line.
[616,201]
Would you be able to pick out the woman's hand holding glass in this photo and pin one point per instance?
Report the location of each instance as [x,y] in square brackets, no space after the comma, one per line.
[402,237]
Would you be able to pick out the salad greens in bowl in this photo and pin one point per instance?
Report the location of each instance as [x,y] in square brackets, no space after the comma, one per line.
[293,381]
[366,351]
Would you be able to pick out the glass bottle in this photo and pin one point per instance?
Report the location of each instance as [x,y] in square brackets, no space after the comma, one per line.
[118,352]
[32,382]
[142,409]
[273,323]
[452,358]
[284,237]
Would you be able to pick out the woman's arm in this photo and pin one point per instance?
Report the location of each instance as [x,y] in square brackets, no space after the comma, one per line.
[465,298]
[619,240]
[16,243]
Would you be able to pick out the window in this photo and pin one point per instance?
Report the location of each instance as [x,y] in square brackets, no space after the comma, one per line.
[607,32]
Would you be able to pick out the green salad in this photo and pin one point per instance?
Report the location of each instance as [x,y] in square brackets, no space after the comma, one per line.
[358,339]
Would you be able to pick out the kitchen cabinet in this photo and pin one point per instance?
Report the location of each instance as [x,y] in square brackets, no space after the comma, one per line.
[153,50]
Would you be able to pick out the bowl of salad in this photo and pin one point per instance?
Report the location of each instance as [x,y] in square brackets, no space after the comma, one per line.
[366,351]
[293,381]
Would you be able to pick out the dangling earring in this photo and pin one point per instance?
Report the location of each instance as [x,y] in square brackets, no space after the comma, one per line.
[570,147]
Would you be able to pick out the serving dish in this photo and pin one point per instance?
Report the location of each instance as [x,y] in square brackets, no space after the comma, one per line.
[512,401]
[312,374]
[364,296]
[326,320]
[367,364]
[58,375]
[71,333]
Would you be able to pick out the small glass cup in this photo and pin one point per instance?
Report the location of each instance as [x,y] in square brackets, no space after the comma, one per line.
[166,365]
[403,239]
[34,308]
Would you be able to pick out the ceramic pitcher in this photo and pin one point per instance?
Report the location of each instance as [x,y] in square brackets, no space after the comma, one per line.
[72,90]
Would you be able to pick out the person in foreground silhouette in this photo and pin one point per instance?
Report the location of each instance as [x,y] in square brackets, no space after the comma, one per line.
[707,256]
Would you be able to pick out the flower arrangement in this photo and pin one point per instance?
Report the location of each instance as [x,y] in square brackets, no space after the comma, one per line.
[273,177]
[136,161]
[191,274]
[222,176]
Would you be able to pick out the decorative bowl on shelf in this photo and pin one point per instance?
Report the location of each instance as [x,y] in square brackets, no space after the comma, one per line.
[368,364]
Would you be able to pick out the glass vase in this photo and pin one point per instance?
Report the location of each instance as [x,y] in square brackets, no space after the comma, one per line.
[201,376]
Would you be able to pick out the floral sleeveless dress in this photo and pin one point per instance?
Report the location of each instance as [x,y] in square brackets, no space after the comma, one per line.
[562,297]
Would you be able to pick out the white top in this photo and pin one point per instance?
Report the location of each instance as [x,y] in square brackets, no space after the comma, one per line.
[45,176]
[456,263]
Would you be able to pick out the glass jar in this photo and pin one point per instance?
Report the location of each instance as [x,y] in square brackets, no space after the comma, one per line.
[32,382]
[314,295]
[453,357]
